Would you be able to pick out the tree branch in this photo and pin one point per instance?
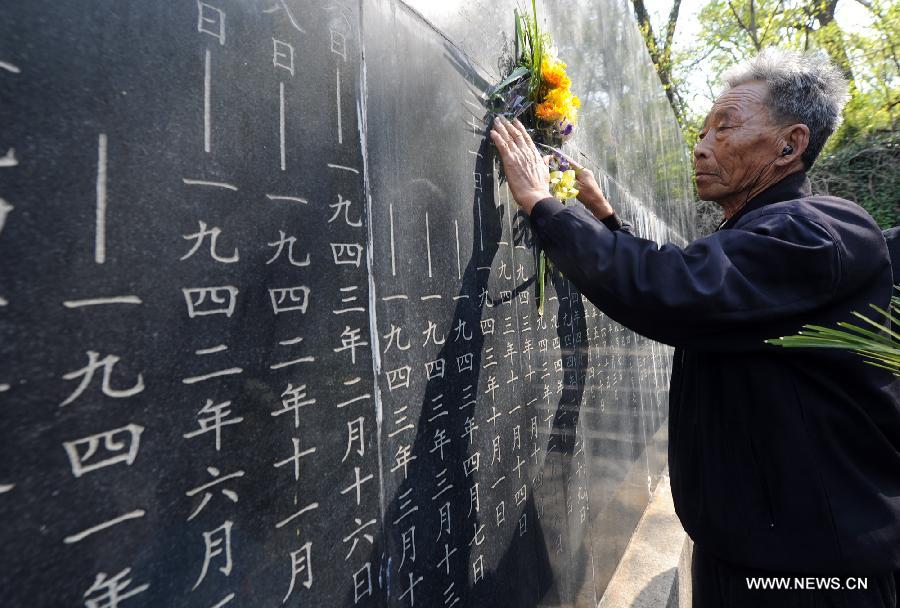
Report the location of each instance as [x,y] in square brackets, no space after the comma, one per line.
[670,29]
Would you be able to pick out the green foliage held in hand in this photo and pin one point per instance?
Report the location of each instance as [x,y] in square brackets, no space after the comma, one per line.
[880,348]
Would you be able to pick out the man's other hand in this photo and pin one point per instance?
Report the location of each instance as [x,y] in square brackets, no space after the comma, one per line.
[590,194]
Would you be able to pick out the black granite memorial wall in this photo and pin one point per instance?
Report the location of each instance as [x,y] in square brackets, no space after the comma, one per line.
[267,318]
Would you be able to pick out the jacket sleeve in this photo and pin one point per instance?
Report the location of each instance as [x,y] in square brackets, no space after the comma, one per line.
[730,290]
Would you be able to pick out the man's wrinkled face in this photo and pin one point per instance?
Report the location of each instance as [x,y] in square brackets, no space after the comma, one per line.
[737,140]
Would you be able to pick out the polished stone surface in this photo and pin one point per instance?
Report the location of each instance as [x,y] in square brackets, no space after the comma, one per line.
[321,378]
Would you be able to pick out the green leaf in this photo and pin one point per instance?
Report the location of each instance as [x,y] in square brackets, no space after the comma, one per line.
[876,349]
[516,74]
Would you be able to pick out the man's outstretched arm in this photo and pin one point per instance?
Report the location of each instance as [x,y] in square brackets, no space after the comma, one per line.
[729,290]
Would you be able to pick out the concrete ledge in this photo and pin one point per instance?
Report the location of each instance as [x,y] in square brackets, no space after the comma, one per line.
[648,574]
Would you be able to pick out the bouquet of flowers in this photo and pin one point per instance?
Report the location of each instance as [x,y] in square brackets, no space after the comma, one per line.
[537,91]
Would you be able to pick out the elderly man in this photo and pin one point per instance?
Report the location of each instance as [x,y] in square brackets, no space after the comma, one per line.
[783,462]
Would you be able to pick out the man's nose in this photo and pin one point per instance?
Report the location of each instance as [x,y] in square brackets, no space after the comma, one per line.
[701,150]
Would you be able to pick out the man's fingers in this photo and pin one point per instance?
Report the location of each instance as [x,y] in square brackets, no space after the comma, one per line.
[511,139]
[523,139]
[505,132]
[517,124]
[515,137]
[500,125]
[528,144]
[546,159]
[500,142]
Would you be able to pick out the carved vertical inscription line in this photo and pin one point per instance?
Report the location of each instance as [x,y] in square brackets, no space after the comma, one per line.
[281,121]
[480,231]
[338,97]
[207,121]
[428,243]
[100,236]
[458,264]
[393,257]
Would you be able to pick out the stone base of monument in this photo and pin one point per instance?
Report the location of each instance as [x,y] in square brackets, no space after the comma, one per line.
[655,570]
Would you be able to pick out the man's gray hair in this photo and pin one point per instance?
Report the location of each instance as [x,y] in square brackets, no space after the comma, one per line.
[803,88]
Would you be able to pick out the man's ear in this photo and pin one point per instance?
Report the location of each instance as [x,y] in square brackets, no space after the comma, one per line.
[797,137]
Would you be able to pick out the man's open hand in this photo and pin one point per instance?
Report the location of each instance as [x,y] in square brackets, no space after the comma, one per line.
[526,172]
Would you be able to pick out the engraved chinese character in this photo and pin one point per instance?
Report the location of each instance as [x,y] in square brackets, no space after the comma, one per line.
[394,336]
[211,20]
[440,440]
[221,301]
[216,542]
[343,207]
[218,478]
[408,539]
[213,417]
[286,299]
[108,592]
[213,234]
[301,565]
[430,333]
[280,244]
[357,534]
[398,378]
[402,459]
[351,339]
[120,445]
[442,484]
[412,583]
[293,398]
[357,485]
[87,373]
[283,55]
[470,464]
[461,332]
[295,457]
[355,436]
[446,559]
[464,362]
[347,253]
[435,369]
[362,582]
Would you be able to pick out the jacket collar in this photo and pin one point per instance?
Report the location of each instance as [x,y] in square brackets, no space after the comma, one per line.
[794,186]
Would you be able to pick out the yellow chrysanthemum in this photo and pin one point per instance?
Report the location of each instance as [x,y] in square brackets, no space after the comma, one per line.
[553,72]
[557,105]
[547,111]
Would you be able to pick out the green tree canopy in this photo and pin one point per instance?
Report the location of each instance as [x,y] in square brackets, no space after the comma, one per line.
[862,160]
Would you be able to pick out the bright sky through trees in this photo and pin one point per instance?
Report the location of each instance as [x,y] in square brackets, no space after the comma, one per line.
[851,16]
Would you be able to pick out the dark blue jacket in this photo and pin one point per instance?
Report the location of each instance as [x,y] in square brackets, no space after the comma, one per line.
[780,458]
